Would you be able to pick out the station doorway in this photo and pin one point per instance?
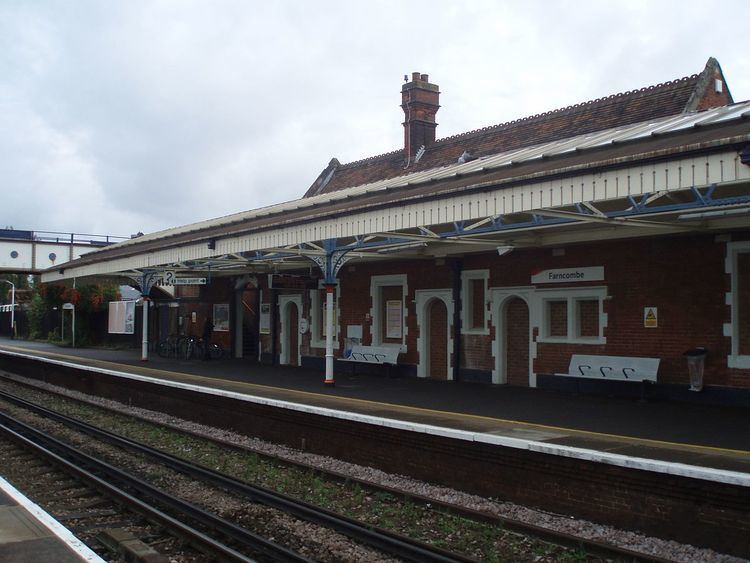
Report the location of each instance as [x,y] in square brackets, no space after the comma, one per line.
[437,339]
[250,318]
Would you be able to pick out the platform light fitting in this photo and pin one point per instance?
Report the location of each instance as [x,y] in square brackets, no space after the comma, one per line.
[503,250]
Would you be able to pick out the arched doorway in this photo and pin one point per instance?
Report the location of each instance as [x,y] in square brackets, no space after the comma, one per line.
[290,308]
[293,332]
[434,337]
[437,340]
[515,342]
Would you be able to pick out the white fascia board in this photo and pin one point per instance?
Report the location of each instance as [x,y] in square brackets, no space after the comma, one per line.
[496,198]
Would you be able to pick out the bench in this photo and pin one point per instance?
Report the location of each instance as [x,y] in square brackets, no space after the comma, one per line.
[385,354]
[624,368]
[614,368]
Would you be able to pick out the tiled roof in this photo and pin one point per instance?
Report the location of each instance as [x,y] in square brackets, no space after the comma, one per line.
[653,102]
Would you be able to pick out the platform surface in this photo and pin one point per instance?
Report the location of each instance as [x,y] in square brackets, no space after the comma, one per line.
[716,437]
[30,535]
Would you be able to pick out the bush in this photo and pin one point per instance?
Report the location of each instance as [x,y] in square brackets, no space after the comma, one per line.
[37,313]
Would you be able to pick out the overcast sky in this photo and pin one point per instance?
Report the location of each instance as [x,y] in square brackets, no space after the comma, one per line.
[118,117]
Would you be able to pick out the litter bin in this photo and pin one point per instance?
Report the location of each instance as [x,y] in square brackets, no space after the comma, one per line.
[696,361]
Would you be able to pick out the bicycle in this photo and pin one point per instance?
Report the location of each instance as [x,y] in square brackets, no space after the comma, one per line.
[215,351]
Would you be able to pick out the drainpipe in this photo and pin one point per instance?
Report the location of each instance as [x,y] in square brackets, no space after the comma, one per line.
[457,269]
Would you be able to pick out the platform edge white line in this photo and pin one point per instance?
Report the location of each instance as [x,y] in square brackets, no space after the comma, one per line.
[655,466]
[60,531]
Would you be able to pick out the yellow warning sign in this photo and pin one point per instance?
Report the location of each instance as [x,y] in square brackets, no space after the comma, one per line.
[650,317]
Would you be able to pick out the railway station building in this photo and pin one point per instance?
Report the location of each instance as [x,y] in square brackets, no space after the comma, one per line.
[617,228]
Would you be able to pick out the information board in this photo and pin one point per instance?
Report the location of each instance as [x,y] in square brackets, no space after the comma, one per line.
[122,317]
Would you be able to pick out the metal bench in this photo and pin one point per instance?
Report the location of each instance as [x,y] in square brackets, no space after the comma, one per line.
[623,368]
[614,368]
[383,354]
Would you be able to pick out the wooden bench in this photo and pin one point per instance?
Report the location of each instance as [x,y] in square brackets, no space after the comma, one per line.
[614,368]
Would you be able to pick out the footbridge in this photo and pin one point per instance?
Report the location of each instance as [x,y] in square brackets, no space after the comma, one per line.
[31,252]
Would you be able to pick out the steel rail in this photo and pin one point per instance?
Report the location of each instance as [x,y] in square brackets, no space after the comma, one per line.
[196,538]
[90,464]
[593,547]
[390,542]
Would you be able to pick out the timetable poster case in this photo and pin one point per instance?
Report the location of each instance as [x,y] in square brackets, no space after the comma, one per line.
[221,317]
[265,318]
[393,319]
[122,317]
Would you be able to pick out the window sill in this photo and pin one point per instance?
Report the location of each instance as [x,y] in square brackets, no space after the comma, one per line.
[738,362]
[476,332]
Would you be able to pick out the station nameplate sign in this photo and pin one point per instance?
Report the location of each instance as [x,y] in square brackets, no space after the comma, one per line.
[569,275]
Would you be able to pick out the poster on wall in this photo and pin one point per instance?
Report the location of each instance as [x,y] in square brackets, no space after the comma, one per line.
[265,318]
[393,319]
[122,317]
[221,317]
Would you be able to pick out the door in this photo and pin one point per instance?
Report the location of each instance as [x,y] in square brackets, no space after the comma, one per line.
[516,345]
[438,340]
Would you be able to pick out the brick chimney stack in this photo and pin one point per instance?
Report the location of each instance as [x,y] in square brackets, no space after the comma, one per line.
[419,100]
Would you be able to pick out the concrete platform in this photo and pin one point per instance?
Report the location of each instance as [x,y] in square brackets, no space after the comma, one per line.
[29,535]
[683,435]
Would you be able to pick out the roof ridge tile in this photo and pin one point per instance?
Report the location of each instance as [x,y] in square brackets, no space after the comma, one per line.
[562,110]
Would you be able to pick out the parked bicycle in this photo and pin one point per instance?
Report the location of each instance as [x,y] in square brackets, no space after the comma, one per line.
[187,348]
[216,352]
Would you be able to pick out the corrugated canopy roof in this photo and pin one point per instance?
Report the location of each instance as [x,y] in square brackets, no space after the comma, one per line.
[586,142]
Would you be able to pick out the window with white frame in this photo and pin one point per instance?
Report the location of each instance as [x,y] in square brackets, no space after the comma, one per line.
[318,317]
[388,314]
[573,315]
[738,266]
[474,301]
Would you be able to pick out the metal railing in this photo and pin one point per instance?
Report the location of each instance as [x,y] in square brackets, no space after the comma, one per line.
[61,237]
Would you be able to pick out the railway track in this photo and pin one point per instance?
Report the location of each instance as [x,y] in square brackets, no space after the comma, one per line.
[107,507]
[355,530]
[384,541]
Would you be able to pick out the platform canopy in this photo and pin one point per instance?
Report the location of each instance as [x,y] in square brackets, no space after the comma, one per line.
[682,174]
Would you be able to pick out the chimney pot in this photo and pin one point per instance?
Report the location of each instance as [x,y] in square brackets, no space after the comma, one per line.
[420,101]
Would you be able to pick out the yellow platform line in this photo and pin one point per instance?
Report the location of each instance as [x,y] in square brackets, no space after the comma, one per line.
[406,408]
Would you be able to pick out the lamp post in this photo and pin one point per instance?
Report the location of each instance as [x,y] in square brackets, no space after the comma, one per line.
[12,308]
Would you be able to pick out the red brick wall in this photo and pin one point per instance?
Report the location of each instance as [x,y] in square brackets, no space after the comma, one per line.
[438,344]
[683,276]
[588,318]
[743,301]
[558,317]
[356,303]
[477,303]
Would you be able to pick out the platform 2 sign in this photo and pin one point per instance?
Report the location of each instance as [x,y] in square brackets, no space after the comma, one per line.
[170,278]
